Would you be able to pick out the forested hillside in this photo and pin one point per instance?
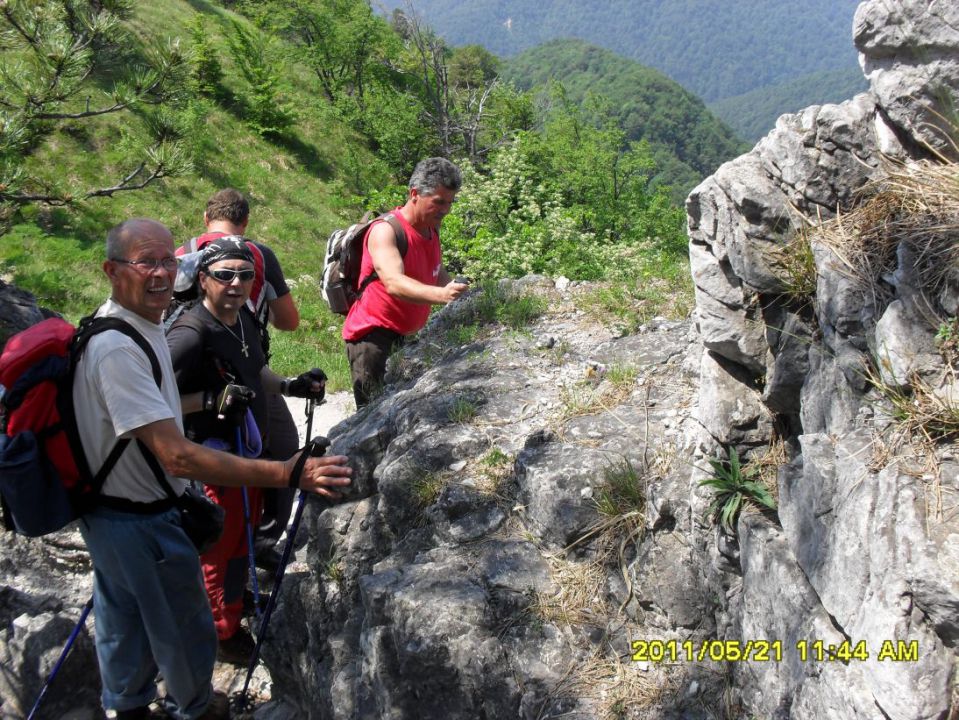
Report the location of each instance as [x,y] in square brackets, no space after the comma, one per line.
[687,141]
[754,114]
[715,48]
[318,110]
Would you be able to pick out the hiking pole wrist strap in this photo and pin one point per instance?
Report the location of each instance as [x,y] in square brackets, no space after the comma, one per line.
[312,449]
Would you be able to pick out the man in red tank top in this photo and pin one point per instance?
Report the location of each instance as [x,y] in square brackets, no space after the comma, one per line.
[397,303]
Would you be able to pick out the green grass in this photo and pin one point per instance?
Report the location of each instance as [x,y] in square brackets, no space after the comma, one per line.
[425,490]
[733,488]
[660,286]
[513,309]
[623,491]
[462,410]
[462,335]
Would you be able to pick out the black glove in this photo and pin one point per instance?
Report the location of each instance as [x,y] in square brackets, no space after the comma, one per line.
[302,385]
[230,404]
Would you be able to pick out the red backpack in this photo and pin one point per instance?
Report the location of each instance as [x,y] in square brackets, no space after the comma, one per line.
[45,480]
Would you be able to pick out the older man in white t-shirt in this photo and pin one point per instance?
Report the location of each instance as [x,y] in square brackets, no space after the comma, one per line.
[151,608]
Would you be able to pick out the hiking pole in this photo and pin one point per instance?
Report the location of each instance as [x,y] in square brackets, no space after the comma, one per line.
[63,656]
[314,448]
[251,553]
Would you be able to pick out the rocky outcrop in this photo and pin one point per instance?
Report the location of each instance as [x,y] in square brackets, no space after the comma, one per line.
[864,554]
[474,575]
[18,311]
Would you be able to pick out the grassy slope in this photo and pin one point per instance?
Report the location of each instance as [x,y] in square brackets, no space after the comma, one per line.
[56,254]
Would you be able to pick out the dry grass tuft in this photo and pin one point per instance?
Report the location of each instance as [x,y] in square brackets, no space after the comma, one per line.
[918,410]
[616,687]
[599,392]
[765,467]
[580,596]
[909,217]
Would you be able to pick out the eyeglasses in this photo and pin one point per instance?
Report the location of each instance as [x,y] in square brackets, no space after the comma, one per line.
[148,265]
[227,276]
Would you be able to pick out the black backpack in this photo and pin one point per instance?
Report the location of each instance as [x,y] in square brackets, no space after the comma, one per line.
[340,284]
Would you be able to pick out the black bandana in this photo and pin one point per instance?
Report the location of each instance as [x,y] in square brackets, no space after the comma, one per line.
[229,247]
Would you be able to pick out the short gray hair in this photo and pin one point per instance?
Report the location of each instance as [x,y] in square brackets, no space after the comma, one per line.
[118,240]
[435,172]
[121,237]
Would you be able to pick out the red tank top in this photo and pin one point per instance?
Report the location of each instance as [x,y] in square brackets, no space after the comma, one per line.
[376,308]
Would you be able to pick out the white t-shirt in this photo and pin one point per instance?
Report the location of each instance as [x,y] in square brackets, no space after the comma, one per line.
[114,393]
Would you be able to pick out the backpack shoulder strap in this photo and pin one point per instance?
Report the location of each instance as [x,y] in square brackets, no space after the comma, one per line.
[259,277]
[402,244]
[89,327]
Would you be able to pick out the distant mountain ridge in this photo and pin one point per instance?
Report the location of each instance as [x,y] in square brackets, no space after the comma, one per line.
[688,141]
[715,48]
[754,114]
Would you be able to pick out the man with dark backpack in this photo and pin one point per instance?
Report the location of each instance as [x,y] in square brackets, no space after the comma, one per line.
[213,346]
[152,613]
[396,302]
[228,213]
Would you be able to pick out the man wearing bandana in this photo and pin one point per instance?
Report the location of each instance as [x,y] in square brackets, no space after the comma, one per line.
[222,374]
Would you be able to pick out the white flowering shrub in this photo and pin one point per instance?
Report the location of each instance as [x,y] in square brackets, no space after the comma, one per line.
[533,210]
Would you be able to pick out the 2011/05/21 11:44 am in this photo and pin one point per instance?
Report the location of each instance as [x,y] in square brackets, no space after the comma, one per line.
[770,651]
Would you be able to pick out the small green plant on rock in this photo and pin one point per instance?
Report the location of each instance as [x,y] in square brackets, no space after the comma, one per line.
[425,489]
[462,410]
[461,335]
[496,303]
[734,487]
[947,340]
[623,494]
[332,568]
[495,468]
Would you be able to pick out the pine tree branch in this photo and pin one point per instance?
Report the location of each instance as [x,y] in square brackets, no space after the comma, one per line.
[126,184]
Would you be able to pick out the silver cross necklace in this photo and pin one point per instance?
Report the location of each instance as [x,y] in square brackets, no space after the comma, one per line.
[241,338]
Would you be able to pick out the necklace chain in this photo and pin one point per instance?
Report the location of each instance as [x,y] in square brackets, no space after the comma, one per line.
[241,338]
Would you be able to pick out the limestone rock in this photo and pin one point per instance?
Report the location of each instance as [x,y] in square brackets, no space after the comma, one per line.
[904,347]
[18,311]
[908,53]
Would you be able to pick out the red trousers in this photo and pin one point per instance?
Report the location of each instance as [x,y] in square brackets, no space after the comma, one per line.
[226,566]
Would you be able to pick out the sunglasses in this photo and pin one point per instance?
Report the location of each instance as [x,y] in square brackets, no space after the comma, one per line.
[227,276]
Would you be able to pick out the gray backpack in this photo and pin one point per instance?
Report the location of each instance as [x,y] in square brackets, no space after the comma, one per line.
[341,284]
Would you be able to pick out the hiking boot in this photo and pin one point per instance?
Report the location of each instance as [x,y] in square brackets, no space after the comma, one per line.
[249,607]
[219,707]
[268,558]
[236,649]
[140,713]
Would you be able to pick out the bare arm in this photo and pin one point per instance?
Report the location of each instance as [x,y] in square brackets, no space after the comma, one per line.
[388,264]
[283,313]
[183,458]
